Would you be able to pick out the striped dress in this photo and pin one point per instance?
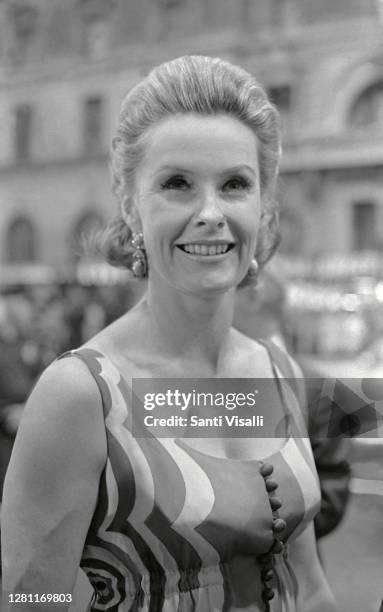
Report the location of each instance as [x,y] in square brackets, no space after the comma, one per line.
[180,530]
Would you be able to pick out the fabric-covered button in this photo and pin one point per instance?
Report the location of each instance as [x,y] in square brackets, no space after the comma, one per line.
[275,503]
[266,469]
[271,485]
[279,525]
[267,574]
[277,547]
[268,567]
[265,558]
[267,594]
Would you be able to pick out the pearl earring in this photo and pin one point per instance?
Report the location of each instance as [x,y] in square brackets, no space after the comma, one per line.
[253,269]
[140,264]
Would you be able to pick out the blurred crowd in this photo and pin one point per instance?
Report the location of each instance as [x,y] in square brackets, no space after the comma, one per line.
[40,322]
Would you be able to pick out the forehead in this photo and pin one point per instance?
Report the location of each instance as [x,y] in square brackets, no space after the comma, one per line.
[204,141]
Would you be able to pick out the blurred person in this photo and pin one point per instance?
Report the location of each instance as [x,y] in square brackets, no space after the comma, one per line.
[260,314]
[94,315]
[39,295]
[75,301]
[15,385]
[15,379]
[51,331]
[165,524]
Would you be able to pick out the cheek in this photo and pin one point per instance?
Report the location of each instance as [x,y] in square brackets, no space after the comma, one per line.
[247,226]
[160,232]
[162,222]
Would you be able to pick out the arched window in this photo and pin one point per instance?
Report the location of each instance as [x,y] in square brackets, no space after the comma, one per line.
[95,17]
[24,20]
[93,123]
[21,241]
[367,110]
[85,227]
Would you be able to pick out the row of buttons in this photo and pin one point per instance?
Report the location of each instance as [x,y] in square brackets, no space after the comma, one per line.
[279,526]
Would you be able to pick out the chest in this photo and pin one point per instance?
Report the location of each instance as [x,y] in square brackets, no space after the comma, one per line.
[228,433]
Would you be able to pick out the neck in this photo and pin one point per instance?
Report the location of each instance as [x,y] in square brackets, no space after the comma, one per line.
[190,325]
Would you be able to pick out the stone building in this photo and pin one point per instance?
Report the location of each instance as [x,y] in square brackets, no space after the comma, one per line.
[65,66]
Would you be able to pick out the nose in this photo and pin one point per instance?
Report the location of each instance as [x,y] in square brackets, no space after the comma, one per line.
[210,213]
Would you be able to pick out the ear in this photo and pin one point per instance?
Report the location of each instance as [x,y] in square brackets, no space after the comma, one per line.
[130,214]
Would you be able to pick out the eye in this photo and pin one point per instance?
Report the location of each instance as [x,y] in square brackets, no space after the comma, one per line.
[237,183]
[177,182]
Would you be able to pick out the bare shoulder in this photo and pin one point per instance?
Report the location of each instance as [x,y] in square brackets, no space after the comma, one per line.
[70,383]
[65,406]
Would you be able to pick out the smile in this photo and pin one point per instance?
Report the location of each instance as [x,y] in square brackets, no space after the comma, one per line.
[206,249]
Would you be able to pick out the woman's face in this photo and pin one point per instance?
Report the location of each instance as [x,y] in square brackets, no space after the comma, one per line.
[197,199]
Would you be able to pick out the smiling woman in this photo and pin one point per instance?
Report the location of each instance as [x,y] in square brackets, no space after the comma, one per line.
[207,88]
[197,193]
[173,523]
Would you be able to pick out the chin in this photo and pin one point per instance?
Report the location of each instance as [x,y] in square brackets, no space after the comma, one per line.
[210,286]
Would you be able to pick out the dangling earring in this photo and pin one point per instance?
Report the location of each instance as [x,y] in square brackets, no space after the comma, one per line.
[253,269]
[140,264]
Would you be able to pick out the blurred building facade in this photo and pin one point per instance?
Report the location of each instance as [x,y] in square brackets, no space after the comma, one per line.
[65,67]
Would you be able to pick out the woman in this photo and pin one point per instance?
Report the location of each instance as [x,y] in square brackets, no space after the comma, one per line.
[165,524]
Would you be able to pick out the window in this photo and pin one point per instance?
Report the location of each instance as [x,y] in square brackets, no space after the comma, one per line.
[97,39]
[21,241]
[280,95]
[23,17]
[23,130]
[364,220]
[96,21]
[367,111]
[93,118]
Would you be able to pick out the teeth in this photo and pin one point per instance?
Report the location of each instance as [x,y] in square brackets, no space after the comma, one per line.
[204,249]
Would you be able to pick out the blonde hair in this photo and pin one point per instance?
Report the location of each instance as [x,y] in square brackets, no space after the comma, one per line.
[192,84]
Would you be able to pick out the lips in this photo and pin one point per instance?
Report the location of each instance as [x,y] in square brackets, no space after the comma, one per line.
[206,249]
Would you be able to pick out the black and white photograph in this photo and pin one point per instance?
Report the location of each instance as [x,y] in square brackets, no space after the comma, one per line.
[191,305]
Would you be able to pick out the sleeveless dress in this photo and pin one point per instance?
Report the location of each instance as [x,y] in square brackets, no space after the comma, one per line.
[180,530]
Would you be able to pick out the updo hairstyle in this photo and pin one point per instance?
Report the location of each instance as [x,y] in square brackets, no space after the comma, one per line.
[192,84]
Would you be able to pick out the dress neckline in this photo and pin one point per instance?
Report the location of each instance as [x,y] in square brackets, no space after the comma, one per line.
[181,441]
[255,460]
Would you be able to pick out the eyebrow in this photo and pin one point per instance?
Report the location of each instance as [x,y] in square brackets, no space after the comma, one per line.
[225,172]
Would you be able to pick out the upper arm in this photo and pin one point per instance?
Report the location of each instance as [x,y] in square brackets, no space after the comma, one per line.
[314,592]
[51,486]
